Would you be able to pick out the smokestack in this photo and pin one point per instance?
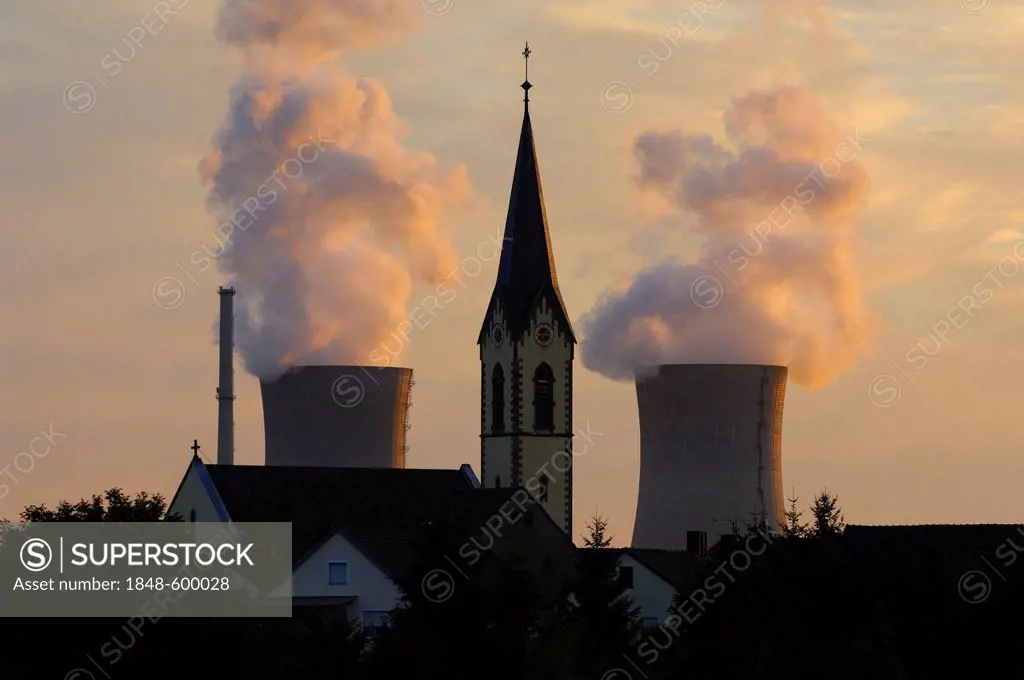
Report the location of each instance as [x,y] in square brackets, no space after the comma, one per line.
[226,390]
[337,416]
[710,451]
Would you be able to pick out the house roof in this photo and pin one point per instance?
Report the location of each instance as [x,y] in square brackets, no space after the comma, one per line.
[946,547]
[675,567]
[961,541]
[930,530]
[382,512]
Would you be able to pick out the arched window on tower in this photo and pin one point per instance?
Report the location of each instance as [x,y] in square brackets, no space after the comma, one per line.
[542,495]
[543,399]
[498,400]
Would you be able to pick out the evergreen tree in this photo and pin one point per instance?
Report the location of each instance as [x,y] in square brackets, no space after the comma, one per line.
[603,615]
[828,517]
[473,621]
[596,529]
[794,527]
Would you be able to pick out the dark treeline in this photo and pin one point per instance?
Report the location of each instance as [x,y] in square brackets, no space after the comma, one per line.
[815,602]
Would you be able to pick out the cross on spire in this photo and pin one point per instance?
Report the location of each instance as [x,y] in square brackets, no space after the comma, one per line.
[526,83]
[195,447]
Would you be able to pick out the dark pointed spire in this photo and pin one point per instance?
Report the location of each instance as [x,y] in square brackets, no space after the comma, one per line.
[527,267]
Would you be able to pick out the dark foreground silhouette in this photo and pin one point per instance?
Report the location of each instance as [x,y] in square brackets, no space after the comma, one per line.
[822,602]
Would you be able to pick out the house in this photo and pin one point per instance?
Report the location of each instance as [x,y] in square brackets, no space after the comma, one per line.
[355,530]
[652,578]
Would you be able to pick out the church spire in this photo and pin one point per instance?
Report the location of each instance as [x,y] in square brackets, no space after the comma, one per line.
[527,268]
[526,352]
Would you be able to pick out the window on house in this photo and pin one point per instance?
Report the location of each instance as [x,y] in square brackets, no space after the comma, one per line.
[497,482]
[192,515]
[543,399]
[337,573]
[374,619]
[626,576]
[498,399]
[542,494]
[650,622]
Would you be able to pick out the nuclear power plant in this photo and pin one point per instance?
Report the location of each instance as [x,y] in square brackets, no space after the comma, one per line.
[710,451]
[337,416]
[710,434]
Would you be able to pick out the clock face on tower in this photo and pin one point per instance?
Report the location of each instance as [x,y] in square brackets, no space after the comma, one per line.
[544,334]
[497,335]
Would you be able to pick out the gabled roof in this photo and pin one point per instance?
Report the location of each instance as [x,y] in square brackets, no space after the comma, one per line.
[675,567]
[526,272]
[382,512]
[374,508]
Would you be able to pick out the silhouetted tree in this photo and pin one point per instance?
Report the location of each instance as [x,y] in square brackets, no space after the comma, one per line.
[471,621]
[794,527]
[597,527]
[112,506]
[603,616]
[828,518]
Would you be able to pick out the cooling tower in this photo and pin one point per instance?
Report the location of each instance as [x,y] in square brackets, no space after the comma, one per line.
[337,416]
[710,450]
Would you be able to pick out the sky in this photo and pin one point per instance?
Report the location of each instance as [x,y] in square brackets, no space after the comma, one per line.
[107,375]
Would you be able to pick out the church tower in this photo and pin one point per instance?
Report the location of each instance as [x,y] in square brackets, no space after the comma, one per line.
[526,352]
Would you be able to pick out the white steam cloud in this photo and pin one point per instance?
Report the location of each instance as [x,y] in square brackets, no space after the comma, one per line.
[327,220]
[775,283]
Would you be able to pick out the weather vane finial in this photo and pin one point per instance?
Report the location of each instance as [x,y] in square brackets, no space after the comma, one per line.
[526,83]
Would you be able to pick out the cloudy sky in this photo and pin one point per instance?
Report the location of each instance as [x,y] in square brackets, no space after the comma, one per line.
[105,206]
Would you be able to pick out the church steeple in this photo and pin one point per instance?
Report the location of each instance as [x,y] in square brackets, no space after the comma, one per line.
[526,353]
[526,271]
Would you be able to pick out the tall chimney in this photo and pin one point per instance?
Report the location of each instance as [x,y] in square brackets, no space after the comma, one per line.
[710,451]
[226,390]
[337,416]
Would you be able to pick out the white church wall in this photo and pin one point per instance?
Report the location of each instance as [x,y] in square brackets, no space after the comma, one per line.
[544,454]
[497,451]
[193,496]
[556,354]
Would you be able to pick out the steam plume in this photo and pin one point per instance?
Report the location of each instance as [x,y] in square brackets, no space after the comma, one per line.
[327,221]
[774,283]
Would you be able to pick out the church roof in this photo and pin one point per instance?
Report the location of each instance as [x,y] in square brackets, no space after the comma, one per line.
[374,508]
[527,267]
[381,511]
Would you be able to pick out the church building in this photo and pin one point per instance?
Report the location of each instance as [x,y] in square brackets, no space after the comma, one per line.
[527,347]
